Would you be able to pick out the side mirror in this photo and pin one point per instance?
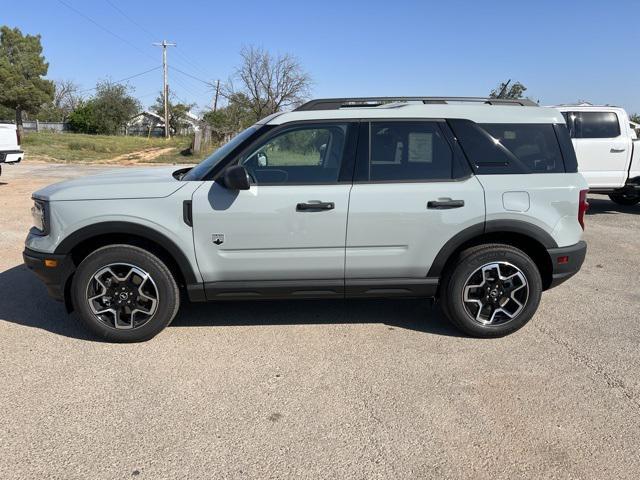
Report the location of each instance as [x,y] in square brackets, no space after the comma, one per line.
[236,178]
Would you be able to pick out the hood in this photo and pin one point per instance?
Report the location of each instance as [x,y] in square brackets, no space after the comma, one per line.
[116,184]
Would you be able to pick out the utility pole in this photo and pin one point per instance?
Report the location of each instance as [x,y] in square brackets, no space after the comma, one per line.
[215,100]
[165,85]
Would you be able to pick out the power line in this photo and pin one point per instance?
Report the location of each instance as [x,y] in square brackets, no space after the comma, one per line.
[141,27]
[127,78]
[86,17]
[152,35]
[210,84]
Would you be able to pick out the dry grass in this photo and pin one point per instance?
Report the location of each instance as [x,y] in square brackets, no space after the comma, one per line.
[75,147]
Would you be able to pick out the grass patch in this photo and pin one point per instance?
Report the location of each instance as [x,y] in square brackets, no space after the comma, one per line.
[75,147]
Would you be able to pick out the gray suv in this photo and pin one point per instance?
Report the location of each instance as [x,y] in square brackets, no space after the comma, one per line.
[476,202]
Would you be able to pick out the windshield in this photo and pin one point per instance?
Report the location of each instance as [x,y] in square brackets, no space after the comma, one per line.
[197,172]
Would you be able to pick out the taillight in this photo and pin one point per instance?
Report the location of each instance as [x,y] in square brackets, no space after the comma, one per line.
[583,206]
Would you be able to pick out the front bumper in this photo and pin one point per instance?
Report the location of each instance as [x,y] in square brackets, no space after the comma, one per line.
[566,261]
[54,277]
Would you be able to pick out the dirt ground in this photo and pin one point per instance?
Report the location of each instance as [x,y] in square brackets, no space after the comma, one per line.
[324,389]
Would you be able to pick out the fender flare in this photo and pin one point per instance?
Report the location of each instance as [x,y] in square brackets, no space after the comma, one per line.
[69,243]
[492,226]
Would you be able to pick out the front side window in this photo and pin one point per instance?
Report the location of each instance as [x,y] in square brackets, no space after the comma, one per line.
[199,171]
[301,155]
[409,151]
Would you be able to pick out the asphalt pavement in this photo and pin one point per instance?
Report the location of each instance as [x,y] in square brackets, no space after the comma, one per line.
[324,389]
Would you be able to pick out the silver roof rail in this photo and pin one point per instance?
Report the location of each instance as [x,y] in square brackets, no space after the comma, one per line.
[355,102]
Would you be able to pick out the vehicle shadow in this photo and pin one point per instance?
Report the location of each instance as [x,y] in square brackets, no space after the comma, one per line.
[599,206]
[28,305]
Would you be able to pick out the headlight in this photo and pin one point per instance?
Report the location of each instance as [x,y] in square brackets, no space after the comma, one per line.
[38,213]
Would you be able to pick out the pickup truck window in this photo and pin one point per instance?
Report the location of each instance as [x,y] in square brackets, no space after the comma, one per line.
[592,124]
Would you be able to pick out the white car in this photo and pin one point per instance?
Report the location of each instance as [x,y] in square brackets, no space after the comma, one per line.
[608,150]
[475,202]
[10,151]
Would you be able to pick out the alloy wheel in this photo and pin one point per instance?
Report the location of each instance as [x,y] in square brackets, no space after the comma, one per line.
[495,293]
[122,296]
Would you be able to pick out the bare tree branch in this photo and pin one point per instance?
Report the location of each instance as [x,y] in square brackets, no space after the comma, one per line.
[271,83]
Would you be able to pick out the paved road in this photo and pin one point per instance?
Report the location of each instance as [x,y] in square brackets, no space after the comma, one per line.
[366,389]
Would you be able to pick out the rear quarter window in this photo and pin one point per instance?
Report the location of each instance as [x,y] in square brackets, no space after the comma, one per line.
[507,148]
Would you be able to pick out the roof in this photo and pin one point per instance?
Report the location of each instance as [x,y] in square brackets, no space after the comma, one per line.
[480,113]
[587,106]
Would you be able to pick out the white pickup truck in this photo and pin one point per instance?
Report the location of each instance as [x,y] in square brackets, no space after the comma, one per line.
[607,148]
[10,151]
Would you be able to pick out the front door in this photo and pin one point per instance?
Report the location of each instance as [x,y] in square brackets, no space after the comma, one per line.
[286,234]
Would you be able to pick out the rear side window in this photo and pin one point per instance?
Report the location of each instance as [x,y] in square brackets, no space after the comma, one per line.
[504,148]
[409,151]
[592,124]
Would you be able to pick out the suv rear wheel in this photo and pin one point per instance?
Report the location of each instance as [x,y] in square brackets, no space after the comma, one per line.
[491,290]
[123,293]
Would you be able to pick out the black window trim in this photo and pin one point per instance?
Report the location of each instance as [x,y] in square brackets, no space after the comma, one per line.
[347,164]
[364,151]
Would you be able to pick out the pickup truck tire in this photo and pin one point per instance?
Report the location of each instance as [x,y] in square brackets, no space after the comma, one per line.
[124,294]
[491,290]
[627,199]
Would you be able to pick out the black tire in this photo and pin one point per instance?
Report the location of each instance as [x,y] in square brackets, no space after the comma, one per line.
[163,284]
[627,199]
[467,264]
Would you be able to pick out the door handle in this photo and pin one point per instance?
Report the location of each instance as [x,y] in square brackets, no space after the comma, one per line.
[315,205]
[617,150]
[444,204]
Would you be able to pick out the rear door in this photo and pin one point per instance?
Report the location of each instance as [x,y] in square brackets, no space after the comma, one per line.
[602,147]
[412,192]
[286,234]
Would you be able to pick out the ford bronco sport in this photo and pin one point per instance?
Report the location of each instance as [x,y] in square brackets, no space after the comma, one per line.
[474,202]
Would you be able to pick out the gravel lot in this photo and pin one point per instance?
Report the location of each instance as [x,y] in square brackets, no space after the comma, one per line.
[332,389]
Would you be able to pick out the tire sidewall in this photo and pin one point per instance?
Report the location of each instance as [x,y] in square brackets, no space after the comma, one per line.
[168,297]
[625,200]
[455,306]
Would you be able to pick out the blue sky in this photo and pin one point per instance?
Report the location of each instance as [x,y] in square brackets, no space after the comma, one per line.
[563,51]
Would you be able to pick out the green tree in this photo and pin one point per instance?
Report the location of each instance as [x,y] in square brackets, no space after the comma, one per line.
[107,112]
[113,106]
[7,113]
[83,118]
[177,113]
[22,66]
[508,90]
[235,116]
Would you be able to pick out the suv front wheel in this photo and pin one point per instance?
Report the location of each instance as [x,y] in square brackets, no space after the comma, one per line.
[491,290]
[123,293]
